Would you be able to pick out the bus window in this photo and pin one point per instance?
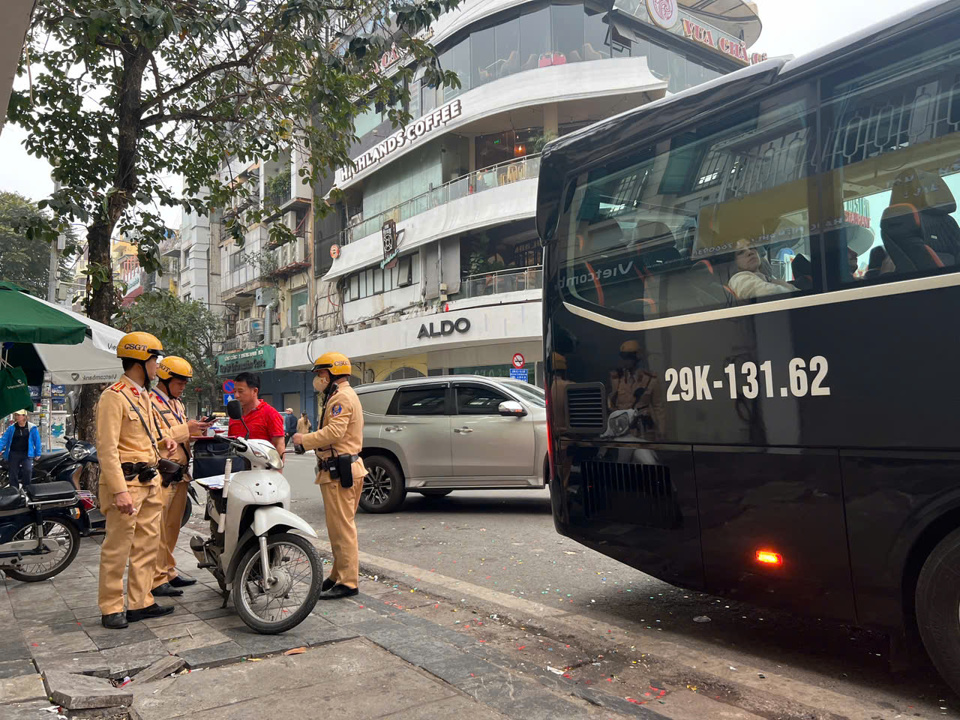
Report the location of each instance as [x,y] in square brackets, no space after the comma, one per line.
[712,217]
[891,157]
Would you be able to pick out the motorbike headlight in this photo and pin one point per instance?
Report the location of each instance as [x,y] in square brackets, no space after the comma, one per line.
[79,452]
[268,453]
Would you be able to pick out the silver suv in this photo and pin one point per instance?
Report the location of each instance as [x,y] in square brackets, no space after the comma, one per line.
[451,432]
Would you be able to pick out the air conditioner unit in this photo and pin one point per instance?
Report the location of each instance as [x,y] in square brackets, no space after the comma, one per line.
[243,326]
[303,334]
[302,315]
[256,325]
[356,219]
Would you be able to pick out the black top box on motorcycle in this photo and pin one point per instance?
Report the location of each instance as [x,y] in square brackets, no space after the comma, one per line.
[210,457]
[48,492]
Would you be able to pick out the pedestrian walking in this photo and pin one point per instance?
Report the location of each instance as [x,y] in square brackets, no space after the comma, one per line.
[303,424]
[340,469]
[20,446]
[128,448]
[289,424]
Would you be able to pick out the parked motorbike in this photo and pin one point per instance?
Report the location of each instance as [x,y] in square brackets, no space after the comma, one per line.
[253,551]
[50,466]
[39,530]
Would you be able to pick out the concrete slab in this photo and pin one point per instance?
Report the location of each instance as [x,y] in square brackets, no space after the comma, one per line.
[516,697]
[457,706]
[22,689]
[161,668]
[131,659]
[213,655]
[16,668]
[78,692]
[32,710]
[107,639]
[174,618]
[89,663]
[71,642]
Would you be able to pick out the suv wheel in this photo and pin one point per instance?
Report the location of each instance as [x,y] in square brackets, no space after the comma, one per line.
[383,488]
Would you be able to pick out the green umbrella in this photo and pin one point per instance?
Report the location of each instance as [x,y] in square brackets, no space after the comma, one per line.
[24,320]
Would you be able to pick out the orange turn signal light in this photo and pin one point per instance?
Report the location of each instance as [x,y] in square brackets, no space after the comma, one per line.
[768,557]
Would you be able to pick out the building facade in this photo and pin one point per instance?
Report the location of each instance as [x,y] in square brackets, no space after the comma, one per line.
[431,263]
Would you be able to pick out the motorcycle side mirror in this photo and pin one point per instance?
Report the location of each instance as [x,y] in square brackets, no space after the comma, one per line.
[234,410]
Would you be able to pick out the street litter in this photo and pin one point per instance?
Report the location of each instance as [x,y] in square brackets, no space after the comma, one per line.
[554,670]
[296,651]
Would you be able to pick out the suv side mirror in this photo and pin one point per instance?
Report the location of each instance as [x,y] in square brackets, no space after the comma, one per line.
[511,408]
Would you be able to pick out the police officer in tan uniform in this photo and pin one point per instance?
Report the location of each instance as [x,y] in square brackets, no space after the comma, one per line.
[128,448]
[633,388]
[340,470]
[173,374]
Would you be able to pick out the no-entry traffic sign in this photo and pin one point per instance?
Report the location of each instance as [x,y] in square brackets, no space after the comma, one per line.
[518,361]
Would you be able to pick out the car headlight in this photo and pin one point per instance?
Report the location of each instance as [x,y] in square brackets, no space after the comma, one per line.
[79,452]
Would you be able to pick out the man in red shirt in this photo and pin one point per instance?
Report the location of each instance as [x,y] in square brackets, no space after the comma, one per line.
[263,421]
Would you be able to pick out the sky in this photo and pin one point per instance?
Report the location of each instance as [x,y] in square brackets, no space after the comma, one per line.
[789,28]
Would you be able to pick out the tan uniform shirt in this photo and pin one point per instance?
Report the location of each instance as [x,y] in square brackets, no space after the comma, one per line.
[121,436]
[173,423]
[340,431]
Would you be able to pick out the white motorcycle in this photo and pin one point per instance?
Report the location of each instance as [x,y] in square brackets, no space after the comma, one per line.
[257,549]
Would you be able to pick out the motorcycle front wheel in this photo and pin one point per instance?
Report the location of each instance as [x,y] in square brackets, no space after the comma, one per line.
[35,568]
[297,573]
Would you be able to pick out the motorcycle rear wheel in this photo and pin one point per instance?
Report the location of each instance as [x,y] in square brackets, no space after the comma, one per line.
[67,536]
[253,603]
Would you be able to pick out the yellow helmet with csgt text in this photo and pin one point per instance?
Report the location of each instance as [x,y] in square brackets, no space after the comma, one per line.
[139,346]
[336,363]
[173,366]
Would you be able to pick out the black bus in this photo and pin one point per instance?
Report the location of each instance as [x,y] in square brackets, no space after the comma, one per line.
[752,333]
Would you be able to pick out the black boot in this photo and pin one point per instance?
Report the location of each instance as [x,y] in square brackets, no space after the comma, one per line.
[114,621]
[327,584]
[179,582]
[339,591]
[166,590]
[149,612]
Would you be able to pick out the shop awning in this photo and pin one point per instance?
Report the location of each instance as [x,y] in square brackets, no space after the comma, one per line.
[26,319]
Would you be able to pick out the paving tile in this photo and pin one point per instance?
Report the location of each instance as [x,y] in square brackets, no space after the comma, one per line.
[213,655]
[106,638]
[184,629]
[71,642]
[84,613]
[197,640]
[22,689]
[216,612]
[452,707]
[519,698]
[88,663]
[226,621]
[15,668]
[78,692]
[174,618]
[130,659]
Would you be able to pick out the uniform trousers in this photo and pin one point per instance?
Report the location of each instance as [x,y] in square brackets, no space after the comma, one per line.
[174,502]
[340,508]
[130,539]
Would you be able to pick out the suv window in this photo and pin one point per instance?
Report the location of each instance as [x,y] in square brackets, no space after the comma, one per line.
[476,400]
[419,401]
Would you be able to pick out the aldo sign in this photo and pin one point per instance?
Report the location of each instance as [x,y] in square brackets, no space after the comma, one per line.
[447,327]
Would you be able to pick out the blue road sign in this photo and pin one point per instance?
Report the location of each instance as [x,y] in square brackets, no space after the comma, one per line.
[518,374]
[227,398]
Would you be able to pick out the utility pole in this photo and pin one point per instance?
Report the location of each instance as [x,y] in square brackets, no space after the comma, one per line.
[55,249]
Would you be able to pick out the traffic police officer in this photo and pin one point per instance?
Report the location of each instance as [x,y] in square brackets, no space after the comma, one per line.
[635,388]
[173,373]
[128,448]
[340,470]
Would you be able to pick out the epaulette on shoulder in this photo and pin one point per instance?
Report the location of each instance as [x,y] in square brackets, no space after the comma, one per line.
[117,386]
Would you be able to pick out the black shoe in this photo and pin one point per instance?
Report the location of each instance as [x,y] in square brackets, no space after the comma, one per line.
[166,590]
[327,584]
[114,621]
[180,581]
[153,611]
[339,591]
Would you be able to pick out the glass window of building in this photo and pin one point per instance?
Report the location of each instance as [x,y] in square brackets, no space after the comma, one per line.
[595,37]
[366,121]
[484,56]
[567,25]
[297,300]
[508,47]
[457,59]
[535,40]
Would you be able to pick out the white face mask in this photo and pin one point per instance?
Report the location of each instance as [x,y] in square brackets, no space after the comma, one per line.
[320,383]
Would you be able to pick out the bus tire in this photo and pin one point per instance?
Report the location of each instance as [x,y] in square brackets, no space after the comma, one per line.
[938,608]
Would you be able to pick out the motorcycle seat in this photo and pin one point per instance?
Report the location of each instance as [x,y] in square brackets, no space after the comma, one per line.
[43,492]
[10,499]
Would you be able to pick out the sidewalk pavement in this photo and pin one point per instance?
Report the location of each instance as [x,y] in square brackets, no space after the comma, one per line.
[361,656]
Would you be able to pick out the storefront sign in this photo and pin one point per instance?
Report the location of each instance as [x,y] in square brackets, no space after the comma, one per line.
[261,358]
[416,130]
[667,15]
[446,327]
[389,235]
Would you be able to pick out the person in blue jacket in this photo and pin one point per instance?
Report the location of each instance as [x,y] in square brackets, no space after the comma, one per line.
[20,446]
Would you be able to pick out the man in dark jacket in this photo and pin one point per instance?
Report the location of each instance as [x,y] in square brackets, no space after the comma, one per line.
[289,424]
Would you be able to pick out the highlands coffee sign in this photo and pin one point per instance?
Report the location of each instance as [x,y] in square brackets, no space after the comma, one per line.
[444,328]
[403,137]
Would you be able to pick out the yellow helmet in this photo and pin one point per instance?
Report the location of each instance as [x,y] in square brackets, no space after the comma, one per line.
[173,366]
[139,346]
[336,363]
[559,362]
[631,346]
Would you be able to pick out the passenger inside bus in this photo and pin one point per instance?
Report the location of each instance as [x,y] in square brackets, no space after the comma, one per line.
[751,280]
[878,264]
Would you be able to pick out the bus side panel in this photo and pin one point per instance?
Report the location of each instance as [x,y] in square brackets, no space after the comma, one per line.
[786,501]
[891,499]
[636,505]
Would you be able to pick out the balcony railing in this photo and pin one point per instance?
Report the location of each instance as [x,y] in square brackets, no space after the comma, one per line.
[502,281]
[478,181]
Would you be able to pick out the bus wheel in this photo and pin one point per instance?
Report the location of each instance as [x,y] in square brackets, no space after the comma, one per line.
[938,608]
